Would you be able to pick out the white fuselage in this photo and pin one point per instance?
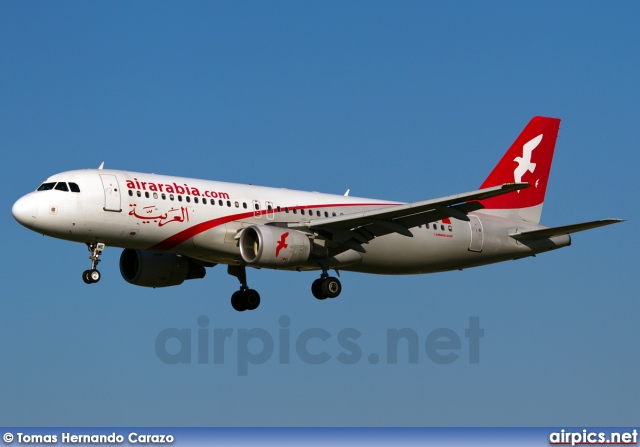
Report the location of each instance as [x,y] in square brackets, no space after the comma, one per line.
[201,219]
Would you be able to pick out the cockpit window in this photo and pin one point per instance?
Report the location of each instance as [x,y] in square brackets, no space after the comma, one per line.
[60,186]
[47,186]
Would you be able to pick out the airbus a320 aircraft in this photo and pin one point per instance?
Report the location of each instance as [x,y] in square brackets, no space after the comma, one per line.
[171,228]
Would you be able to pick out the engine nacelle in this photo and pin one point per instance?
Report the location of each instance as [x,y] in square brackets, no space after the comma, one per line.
[274,247]
[157,269]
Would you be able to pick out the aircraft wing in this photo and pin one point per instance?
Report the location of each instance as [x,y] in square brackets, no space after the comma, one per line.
[354,229]
[565,229]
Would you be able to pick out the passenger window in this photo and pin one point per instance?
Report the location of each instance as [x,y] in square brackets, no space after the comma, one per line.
[46,186]
[155,195]
[326,214]
[237,204]
[188,199]
[179,198]
[302,211]
[74,187]
[220,202]
[318,213]
[171,197]
[131,193]
[204,201]
[294,211]
[62,186]
[333,214]
[139,194]
[146,194]
[244,205]
[195,199]
[164,196]
[229,203]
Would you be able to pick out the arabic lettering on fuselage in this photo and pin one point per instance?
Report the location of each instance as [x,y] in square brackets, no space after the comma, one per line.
[150,214]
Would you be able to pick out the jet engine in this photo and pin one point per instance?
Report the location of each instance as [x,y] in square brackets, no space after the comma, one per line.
[274,247]
[157,269]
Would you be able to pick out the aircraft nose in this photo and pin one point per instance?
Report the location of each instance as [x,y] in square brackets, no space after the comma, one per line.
[25,210]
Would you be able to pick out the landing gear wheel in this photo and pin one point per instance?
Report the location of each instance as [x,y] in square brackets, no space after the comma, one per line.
[237,301]
[245,300]
[251,299]
[331,287]
[316,289]
[94,275]
[91,276]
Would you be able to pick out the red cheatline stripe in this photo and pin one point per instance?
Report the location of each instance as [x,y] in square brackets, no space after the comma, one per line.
[184,235]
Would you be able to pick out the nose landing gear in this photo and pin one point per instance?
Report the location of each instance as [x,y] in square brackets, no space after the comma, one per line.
[93,275]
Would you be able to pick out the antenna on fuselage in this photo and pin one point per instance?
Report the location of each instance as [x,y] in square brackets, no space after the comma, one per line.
[101,165]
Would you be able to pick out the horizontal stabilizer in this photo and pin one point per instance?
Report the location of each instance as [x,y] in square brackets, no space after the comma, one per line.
[546,233]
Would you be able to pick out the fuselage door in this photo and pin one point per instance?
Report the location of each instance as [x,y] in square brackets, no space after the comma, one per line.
[256,209]
[111,193]
[477,236]
[270,211]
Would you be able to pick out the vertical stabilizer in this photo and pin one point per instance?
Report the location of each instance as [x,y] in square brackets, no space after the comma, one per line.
[527,160]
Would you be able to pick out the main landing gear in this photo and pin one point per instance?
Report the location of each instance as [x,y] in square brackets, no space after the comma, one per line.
[248,299]
[93,275]
[326,286]
[245,298]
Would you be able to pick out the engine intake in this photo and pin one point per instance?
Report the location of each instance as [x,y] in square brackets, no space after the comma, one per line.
[157,269]
[274,247]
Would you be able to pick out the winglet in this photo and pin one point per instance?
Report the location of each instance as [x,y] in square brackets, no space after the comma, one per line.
[101,165]
[347,193]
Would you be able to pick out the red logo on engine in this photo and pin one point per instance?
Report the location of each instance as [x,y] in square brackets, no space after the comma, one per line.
[281,243]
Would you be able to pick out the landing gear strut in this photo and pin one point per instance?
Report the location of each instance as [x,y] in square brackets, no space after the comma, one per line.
[245,298]
[93,275]
[326,286]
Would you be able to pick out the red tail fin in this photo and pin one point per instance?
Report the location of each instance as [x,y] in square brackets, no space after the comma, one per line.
[527,160]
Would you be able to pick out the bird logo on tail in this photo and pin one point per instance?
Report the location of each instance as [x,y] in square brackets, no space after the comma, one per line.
[524,162]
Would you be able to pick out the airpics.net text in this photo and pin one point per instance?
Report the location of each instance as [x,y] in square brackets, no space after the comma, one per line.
[205,345]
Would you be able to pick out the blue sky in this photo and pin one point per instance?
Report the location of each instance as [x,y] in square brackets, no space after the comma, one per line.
[395,100]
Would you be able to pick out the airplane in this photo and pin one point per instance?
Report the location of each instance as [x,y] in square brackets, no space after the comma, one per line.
[173,228]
